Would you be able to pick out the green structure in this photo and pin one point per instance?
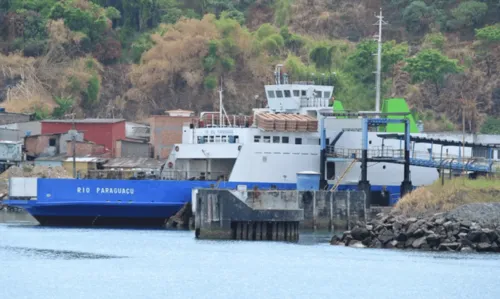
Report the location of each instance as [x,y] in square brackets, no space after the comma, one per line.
[398,105]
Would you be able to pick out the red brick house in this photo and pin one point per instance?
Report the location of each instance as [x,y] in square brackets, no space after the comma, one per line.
[98,130]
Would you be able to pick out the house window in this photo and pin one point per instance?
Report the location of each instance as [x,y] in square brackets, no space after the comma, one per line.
[270,93]
[276,139]
[296,93]
[256,138]
[298,140]
[279,93]
[288,94]
[52,142]
[267,139]
[285,139]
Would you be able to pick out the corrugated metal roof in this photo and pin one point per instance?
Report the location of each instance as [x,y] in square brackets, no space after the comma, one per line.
[133,162]
[86,120]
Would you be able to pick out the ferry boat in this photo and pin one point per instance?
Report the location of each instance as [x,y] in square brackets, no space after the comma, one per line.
[265,150]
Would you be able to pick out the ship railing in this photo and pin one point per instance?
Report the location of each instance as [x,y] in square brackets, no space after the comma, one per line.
[121,174]
[179,175]
[396,153]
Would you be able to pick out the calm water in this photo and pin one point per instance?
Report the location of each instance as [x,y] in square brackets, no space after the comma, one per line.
[59,263]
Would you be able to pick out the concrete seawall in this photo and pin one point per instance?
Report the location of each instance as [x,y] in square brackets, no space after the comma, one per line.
[273,214]
[334,211]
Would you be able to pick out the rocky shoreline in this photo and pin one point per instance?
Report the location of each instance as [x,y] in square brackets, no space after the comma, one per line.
[464,229]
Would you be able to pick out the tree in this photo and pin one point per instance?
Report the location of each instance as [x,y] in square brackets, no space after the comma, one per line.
[487,46]
[64,106]
[417,16]
[322,57]
[468,14]
[431,66]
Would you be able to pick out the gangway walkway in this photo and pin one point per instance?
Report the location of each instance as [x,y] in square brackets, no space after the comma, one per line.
[397,156]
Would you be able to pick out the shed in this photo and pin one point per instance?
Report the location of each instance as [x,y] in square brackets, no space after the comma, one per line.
[52,161]
[82,164]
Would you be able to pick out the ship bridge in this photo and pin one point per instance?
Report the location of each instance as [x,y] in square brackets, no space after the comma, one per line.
[290,97]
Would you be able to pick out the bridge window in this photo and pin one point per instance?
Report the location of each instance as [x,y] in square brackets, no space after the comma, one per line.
[276,139]
[285,139]
[267,139]
[317,94]
[327,94]
[270,93]
[288,94]
[296,93]
[298,140]
[256,138]
[279,94]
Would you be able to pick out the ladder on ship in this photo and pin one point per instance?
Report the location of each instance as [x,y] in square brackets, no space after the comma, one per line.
[337,184]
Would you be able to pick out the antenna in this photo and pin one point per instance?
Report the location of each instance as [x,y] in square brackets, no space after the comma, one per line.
[379,58]
[221,116]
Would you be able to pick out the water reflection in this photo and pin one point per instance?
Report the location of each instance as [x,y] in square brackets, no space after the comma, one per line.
[56,254]
[16,217]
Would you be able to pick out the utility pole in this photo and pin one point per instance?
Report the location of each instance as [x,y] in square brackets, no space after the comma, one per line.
[379,59]
[73,141]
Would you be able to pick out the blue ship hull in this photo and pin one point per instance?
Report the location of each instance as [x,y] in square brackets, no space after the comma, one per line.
[126,202]
[115,202]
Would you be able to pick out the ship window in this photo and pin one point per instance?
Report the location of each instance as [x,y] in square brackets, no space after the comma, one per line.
[296,93]
[279,94]
[224,139]
[298,140]
[304,93]
[276,139]
[327,94]
[205,139]
[200,139]
[217,139]
[288,94]
[211,139]
[270,93]
[236,139]
[317,94]
[256,138]
[284,139]
[267,139]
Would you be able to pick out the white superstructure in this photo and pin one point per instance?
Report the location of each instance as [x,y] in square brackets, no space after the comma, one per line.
[246,149]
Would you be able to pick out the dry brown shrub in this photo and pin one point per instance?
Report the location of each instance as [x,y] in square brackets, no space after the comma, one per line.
[338,19]
[177,54]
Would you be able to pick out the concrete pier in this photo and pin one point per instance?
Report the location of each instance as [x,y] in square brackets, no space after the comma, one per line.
[275,215]
[247,215]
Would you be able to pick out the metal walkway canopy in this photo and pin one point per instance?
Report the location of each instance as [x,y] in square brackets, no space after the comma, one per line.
[437,141]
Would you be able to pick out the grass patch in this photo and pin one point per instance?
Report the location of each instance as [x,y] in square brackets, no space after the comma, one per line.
[456,192]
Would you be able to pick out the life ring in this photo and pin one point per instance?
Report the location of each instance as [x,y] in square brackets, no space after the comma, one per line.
[170,164]
[177,148]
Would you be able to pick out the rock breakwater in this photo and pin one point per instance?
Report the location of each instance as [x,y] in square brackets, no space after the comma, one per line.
[458,230]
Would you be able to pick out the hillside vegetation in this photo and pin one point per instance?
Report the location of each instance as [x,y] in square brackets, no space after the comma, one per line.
[117,58]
